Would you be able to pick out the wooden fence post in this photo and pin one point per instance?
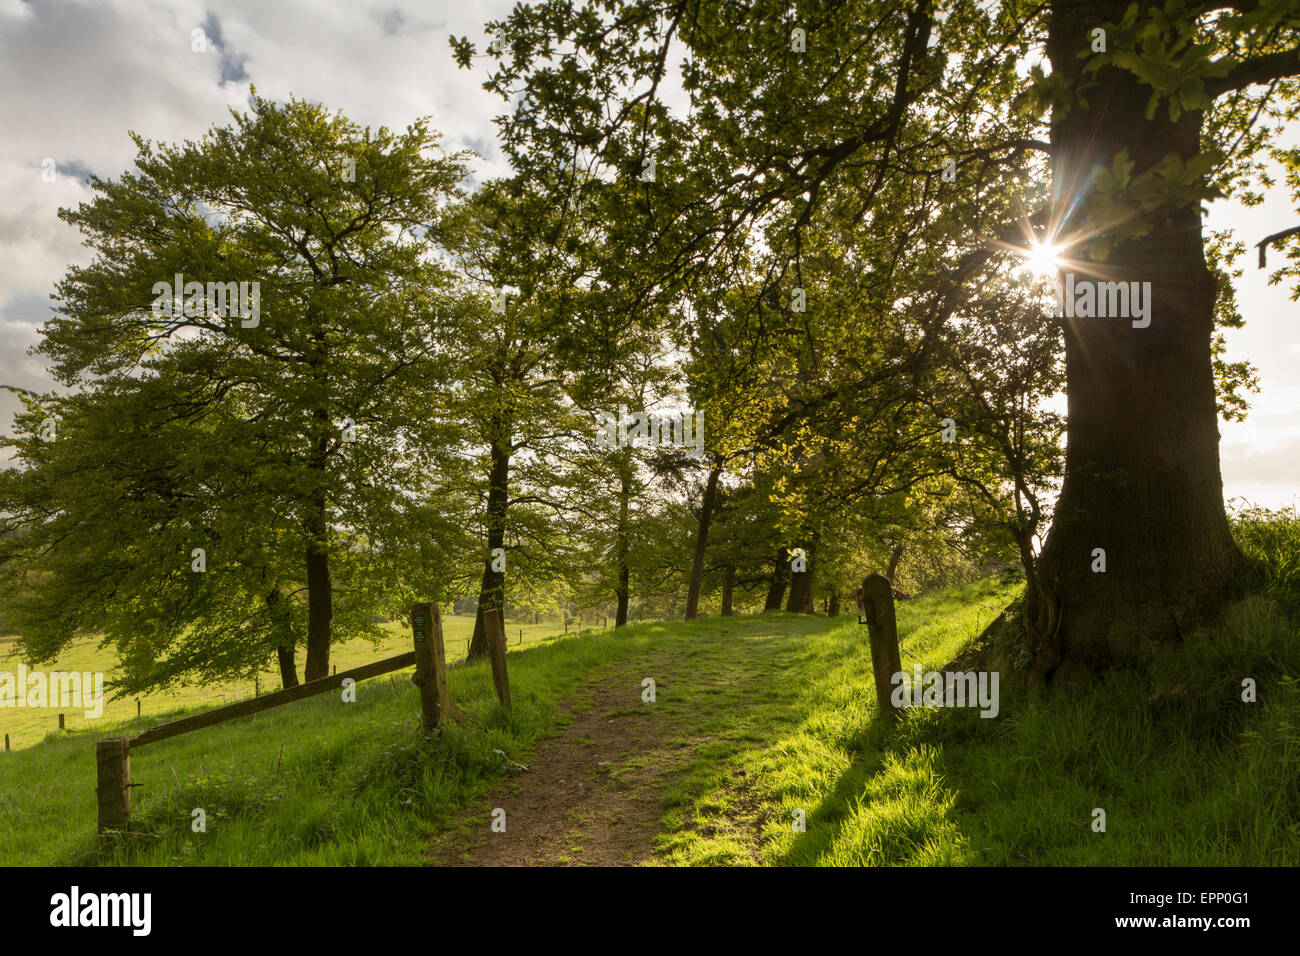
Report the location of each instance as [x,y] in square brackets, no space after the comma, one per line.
[430,665]
[113,768]
[61,724]
[882,629]
[6,741]
[495,628]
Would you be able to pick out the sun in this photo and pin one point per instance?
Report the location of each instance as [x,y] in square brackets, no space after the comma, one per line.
[1042,259]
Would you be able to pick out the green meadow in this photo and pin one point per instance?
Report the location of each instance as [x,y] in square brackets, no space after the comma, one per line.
[27,727]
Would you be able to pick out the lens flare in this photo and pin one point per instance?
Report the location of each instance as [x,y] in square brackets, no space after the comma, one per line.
[1042,259]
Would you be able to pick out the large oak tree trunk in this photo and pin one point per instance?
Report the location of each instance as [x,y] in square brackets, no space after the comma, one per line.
[491,592]
[1142,468]
[702,541]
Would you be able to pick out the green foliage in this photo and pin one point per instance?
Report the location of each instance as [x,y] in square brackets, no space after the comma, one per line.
[189,429]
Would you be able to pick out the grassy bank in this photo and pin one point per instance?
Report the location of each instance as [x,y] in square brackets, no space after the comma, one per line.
[1185,771]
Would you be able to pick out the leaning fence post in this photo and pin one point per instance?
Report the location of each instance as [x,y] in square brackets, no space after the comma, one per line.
[430,665]
[882,629]
[113,769]
[495,629]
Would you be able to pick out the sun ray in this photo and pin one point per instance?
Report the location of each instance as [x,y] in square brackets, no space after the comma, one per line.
[1043,259]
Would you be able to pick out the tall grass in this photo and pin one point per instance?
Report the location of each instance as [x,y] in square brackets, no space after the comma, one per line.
[1271,540]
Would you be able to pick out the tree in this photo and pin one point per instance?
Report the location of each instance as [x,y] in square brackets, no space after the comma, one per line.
[223,482]
[929,101]
[1139,136]
[510,387]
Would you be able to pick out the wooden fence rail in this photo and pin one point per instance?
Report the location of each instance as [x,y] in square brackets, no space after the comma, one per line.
[113,756]
[255,705]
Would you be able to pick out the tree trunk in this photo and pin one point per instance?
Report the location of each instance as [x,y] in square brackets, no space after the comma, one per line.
[491,592]
[801,584]
[320,587]
[780,574]
[284,652]
[288,670]
[895,555]
[833,608]
[702,540]
[624,573]
[320,613]
[1142,475]
[728,586]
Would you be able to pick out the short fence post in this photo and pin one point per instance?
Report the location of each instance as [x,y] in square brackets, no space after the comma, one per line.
[137,706]
[430,665]
[61,724]
[113,769]
[6,741]
[495,629]
[882,629]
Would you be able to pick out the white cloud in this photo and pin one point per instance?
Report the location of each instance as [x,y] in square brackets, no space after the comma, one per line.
[78,75]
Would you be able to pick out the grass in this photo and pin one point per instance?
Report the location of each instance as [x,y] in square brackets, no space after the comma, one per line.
[28,727]
[766,720]
[1185,770]
[317,782]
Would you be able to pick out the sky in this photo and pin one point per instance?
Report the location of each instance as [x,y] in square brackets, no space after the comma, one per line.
[78,76]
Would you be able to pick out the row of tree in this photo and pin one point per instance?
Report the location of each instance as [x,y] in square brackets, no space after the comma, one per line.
[822,258]
[415,413]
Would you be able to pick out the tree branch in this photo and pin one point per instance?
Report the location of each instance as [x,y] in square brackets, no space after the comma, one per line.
[1260,69]
[1273,240]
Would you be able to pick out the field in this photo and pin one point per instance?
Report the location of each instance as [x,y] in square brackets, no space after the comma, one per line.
[28,727]
[757,722]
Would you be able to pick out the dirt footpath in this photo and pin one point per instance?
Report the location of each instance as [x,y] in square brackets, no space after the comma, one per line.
[590,796]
